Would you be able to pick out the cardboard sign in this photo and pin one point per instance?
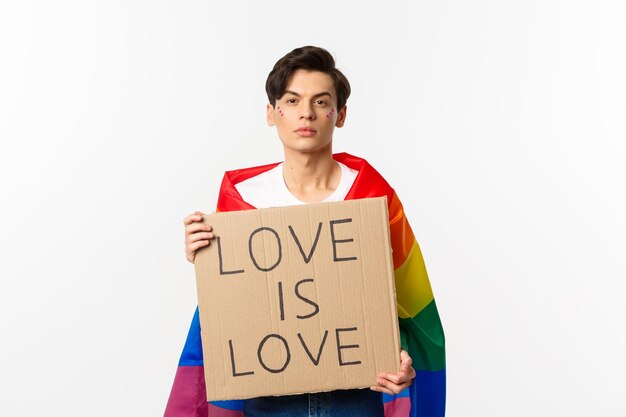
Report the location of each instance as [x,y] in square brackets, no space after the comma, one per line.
[297,299]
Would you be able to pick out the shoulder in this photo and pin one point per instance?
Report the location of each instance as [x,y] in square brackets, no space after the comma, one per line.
[369,182]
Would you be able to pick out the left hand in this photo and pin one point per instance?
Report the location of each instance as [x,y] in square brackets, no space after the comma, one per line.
[394,383]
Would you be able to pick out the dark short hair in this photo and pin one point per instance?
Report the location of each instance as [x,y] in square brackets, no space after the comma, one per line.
[311,58]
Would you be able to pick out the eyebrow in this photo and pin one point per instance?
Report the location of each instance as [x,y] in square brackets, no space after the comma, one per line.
[324,93]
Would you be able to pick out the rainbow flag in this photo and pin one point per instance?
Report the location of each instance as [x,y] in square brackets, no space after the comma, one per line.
[421,333]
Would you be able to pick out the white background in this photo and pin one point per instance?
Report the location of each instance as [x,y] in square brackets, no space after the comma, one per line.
[499,123]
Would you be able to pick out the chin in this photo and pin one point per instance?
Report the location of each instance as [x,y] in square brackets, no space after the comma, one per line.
[307,145]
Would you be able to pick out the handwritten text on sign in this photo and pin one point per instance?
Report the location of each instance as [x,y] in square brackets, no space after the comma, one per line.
[261,265]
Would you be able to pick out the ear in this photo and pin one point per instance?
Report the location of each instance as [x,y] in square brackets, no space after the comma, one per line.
[270,115]
[341,117]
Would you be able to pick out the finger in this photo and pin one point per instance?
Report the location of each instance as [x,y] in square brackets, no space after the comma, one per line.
[192,248]
[381,389]
[192,218]
[195,217]
[405,360]
[199,236]
[395,378]
[197,227]
[409,374]
[394,388]
[401,377]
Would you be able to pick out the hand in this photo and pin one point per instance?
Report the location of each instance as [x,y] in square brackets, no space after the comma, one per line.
[197,234]
[394,383]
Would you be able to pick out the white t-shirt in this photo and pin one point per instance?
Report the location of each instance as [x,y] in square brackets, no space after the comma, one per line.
[268,189]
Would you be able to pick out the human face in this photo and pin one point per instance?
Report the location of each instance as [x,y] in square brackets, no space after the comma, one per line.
[306,115]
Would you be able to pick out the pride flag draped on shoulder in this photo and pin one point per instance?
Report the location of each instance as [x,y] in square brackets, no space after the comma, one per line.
[420,327]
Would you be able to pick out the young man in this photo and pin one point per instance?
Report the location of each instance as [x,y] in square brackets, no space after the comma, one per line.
[307,101]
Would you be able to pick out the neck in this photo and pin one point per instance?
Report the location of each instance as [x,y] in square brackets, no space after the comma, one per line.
[308,172]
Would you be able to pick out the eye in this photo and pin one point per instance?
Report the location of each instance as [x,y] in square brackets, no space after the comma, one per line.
[290,100]
[321,102]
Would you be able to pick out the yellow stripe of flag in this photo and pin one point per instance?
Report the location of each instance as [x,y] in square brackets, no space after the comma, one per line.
[412,285]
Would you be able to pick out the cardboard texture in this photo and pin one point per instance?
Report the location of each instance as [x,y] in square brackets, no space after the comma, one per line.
[297,299]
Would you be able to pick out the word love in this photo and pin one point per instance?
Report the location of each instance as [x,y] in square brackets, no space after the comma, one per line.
[263,264]
[282,344]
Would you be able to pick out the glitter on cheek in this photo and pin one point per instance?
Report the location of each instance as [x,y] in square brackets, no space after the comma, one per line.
[332,111]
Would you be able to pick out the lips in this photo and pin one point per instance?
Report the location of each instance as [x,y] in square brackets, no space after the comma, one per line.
[305,131]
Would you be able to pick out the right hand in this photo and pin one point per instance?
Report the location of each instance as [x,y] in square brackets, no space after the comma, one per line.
[197,234]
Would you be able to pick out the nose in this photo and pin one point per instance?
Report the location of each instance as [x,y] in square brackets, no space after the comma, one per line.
[306,111]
